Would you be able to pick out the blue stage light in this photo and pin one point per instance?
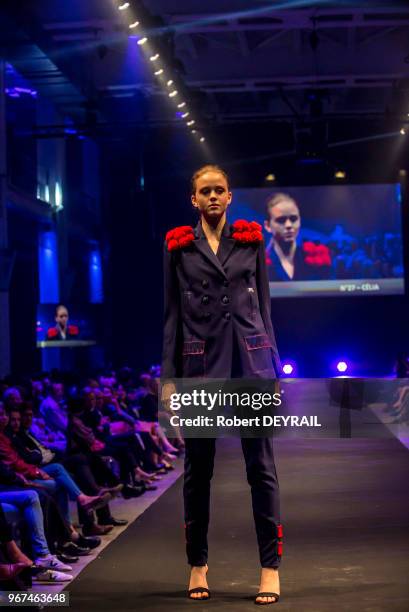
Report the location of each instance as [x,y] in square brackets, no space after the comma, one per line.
[288,368]
[342,366]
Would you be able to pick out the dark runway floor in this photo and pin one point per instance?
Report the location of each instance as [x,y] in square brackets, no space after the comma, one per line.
[345,511]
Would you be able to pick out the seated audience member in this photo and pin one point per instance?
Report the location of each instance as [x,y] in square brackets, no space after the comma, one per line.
[12,398]
[52,477]
[12,560]
[53,409]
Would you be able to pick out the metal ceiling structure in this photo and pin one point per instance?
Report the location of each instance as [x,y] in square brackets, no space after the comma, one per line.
[241,64]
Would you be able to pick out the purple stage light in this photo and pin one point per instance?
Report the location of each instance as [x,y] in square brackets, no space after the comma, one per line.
[342,366]
[288,368]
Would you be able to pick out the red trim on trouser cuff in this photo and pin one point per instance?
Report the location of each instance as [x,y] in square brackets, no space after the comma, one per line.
[279,531]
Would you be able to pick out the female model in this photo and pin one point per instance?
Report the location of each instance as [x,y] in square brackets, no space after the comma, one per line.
[217,325]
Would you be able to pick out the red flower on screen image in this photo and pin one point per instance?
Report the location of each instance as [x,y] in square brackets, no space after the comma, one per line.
[316,255]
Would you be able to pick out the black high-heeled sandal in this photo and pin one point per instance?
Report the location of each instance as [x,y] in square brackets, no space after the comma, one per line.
[199,590]
[266,594]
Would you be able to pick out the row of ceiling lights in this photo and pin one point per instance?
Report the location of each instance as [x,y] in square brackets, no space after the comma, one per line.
[168,83]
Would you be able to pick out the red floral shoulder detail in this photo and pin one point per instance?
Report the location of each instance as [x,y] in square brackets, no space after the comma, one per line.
[52,332]
[247,231]
[73,330]
[317,255]
[179,237]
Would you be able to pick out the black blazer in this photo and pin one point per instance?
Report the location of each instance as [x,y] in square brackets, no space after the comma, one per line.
[208,298]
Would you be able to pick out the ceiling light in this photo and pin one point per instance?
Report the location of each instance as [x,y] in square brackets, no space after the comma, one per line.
[158,72]
[173,93]
[185,115]
[202,139]
[340,174]
[142,41]
[193,131]
[133,25]
[191,122]
[270,178]
[182,104]
[153,58]
[123,6]
[169,83]
[403,131]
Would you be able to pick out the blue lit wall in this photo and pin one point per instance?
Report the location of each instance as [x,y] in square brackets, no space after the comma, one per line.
[96,290]
[48,268]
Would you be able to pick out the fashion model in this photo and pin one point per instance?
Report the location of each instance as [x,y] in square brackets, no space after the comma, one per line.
[217,324]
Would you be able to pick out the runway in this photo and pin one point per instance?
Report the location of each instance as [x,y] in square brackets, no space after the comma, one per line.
[345,511]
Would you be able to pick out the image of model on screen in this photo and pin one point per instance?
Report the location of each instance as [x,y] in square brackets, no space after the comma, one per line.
[286,258]
[213,330]
[61,330]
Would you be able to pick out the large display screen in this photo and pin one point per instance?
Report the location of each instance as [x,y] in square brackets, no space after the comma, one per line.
[66,325]
[328,240]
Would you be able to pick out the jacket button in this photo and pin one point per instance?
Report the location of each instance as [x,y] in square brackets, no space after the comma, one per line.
[225,299]
[227,316]
[205,299]
[205,283]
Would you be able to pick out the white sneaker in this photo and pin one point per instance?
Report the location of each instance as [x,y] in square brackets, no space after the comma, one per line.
[51,562]
[48,576]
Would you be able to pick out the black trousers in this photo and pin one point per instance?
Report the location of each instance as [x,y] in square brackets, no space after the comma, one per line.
[262,478]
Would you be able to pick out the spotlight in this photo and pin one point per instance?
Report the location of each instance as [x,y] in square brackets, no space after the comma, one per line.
[123,6]
[340,174]
[173,93]
[403,131]
[287,368]
[193,131]
[153,58]
[182,105]
[133,25]
[185,115]
[169,83]
[270,178]
[158,72]
[142,41]
[202,139]
[191,122]
[342,366]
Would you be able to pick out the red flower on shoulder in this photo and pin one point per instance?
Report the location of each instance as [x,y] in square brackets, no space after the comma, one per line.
[247,231]
[179,237]
[73,330]
[52,332]
[316,255]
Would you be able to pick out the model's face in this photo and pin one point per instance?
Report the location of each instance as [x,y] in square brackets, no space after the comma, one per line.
[212,195]
[62,316]
[4,419]
[15,421]
[284,221]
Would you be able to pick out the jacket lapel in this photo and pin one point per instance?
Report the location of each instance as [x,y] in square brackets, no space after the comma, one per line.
[227,244]
[203,246]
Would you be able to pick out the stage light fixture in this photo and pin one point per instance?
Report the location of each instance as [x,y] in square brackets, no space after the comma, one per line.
[288,368]
[155,57]
[340,174]
[270,178]
[182,105]
[142,41]
[403,131]
[133,25]
[185,115]
[169,83]
[124,6]
[342,366]
[173,93]
[193,131]
[158,72]
[191,122]
[202,139]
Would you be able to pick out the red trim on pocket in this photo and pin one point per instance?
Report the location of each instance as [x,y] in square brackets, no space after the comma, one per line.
[259,341]
[279,531]
[279,549]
